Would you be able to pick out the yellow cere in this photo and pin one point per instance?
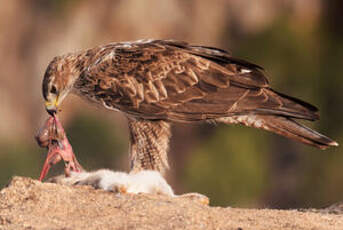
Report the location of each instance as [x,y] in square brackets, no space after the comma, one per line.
[54,103]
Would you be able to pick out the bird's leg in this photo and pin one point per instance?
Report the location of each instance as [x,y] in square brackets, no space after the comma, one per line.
[53,136]
[149,144]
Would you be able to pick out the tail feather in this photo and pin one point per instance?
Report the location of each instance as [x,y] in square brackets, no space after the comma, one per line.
[283,126]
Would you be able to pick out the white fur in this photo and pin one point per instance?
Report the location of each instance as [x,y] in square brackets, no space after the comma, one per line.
[147,181]
[73,178]
[110,179]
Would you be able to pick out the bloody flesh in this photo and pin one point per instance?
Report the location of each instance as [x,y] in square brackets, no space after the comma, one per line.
[52,136]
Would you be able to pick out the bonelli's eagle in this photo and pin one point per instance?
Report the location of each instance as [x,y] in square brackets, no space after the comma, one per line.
[155,83]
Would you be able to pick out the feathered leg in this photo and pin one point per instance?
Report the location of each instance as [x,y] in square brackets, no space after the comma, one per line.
[149,144]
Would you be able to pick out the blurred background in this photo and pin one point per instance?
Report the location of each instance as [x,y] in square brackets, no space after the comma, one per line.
[299,42]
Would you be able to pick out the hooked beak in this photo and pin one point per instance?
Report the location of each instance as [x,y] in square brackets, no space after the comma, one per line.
[51,107]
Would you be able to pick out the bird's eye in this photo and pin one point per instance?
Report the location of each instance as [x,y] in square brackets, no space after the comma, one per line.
[53,90]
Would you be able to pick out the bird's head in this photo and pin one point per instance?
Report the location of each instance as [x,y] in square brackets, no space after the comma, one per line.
[58,80]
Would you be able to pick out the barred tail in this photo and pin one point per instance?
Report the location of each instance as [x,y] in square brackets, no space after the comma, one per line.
[283,126]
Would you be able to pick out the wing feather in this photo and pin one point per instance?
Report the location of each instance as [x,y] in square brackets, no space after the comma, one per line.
[178,82]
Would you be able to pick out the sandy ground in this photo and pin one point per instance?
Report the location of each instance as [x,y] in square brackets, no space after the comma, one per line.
[30,204]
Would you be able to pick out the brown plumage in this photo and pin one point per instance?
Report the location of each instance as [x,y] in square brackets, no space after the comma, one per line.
[157,82]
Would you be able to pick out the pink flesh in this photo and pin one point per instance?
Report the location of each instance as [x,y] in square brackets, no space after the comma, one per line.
[60,151]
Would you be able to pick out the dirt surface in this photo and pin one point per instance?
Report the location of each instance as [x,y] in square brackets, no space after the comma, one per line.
[30,204]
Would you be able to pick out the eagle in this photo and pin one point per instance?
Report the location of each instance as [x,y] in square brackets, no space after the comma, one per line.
[155,83]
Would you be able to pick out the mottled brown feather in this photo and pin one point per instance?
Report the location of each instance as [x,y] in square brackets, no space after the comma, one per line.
[177,82]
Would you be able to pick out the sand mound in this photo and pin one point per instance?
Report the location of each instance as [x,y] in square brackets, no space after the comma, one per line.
[30,204]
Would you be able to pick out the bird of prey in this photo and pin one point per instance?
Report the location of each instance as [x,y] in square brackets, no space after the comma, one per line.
[155,83]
